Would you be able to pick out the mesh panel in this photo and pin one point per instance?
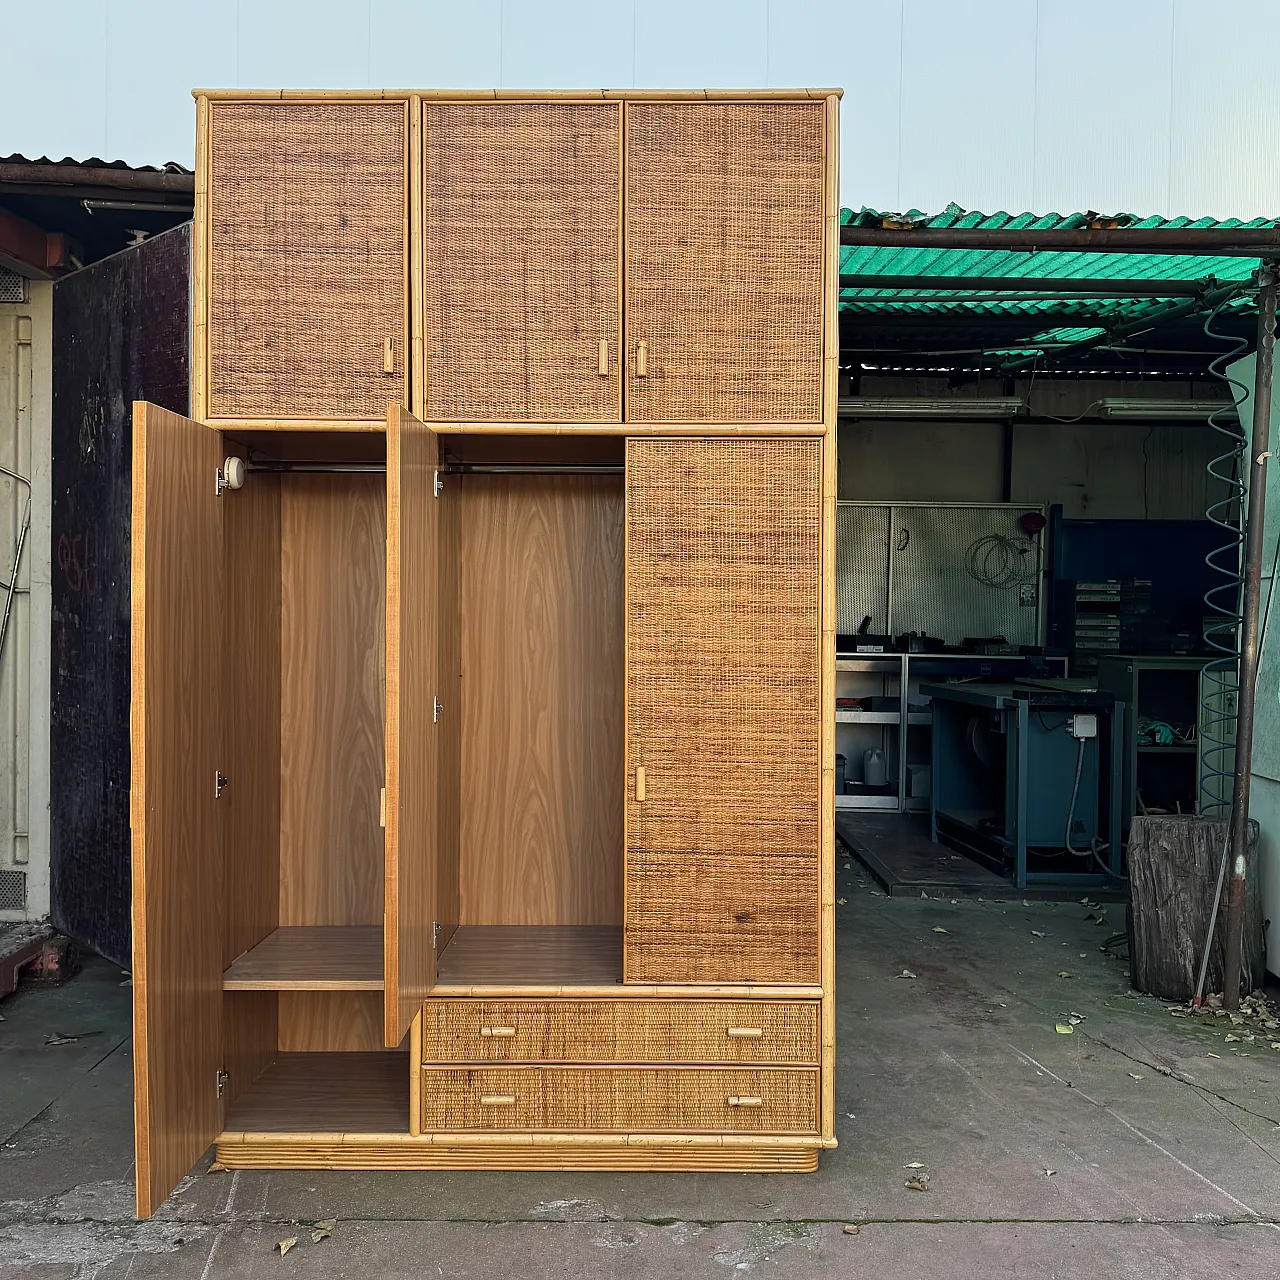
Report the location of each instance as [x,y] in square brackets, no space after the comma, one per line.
[13,890]
[724,261]
[722,596]
[603,1099]
[521,260]
[13,287]
[862,564]
[934,590]
[307,258]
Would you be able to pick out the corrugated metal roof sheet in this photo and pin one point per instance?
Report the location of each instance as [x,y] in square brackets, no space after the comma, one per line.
[93,162]
[930,305]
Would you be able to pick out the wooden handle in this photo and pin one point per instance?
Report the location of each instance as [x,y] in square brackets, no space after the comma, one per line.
[745,1033]
[639,782]
[745,1102]
[604,357]
[388,356]
[642,360]
[497,1099]
[501,1032]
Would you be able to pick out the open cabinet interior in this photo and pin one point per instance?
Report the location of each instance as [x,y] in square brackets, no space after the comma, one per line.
[536,865]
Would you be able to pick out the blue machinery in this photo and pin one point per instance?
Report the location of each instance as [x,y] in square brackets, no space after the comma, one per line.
[1025,770]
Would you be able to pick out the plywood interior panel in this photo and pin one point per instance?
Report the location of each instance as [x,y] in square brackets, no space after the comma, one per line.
[724,261]
[307,251]
[723,711]
[177,828]
[522,260]
[541,824]
[251,757]
[311,958]
[331,1022]
[449,680]
[412,749]
[532,955]
[333,596]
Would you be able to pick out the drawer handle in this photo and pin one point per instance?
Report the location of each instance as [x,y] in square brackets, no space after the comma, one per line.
[497,1099]
[642,360]
[640,787]
[388,356]
[745,1033]
[604,357]
[745,1102]
[498,1031]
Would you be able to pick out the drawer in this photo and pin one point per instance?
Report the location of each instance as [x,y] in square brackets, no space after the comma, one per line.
[777,1032]
[620,1099]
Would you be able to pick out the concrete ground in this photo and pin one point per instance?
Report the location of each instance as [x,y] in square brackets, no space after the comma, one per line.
[1124,1149]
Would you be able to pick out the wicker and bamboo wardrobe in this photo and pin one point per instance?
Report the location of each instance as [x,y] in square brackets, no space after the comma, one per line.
[483,640]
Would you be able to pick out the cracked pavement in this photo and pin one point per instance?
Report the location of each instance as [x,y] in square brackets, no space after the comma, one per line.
[1044,1154]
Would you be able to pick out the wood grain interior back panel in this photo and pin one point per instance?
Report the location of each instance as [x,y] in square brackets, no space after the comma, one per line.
[307,247]
[724,261]
[175,737]
[542,683]
[331,1022]
[333,562]
[521,257]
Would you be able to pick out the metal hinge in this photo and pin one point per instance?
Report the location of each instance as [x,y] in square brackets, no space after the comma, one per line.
[220,781]
[435,933]
[439,483]
[222,1081]
[437,710]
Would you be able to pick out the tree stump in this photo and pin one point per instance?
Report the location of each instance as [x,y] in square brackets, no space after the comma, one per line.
[1173,870]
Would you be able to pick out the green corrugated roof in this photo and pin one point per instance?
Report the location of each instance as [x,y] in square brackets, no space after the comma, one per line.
[867,303]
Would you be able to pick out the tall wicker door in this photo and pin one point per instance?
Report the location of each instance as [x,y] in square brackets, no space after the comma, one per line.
[522,267]
[724,261]
[307,258]
[722,616]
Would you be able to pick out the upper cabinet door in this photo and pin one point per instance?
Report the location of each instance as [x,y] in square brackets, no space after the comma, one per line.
[521,214]
[724,261]
[307,259]
[723,726]
[174,735]
[414,726]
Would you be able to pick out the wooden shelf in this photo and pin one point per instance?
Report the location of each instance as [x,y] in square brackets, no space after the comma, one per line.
[326,1093]
[531,955]
[311,958]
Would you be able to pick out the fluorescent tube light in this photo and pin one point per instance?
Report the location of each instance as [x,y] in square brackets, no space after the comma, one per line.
[930,407]
[1121,407]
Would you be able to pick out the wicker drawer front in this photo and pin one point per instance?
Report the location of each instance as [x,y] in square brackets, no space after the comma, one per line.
[625,1100]
[782,1032]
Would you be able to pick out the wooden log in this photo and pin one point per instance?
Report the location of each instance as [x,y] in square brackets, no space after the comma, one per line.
[1173,869]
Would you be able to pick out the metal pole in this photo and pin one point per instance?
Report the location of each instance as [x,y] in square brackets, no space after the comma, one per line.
[1234,931]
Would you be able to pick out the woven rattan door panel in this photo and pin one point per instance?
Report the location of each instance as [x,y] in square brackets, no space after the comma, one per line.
[604,1099]
[722,613]
[776,1032]
[724,261]
[307,259]
[522,261]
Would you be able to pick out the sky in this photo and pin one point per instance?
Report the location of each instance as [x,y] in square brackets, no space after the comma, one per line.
[1169,107]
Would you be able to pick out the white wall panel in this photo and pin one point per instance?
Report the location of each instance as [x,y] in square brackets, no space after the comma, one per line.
[1102,109]
[968,105]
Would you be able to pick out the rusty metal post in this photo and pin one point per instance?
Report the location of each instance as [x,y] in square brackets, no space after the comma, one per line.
[1259,451]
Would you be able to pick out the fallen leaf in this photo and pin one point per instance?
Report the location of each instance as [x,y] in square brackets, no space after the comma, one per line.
[1035,933]
[848,866]
[906,973]
[1134,1076]
[1062,973]
[61,1039]
[1231,1038]
[1084,902]
[216,1167]
[915,1164]
[1075,1018]
[1065,1029]
[286,1244]
[1275,1044]
[1084,955]
[1049,1173]
[937,928]
[323,1230]
[919,1183]
[955,902]
[1025,903]
[923,894]
[851,1228]
[840,902]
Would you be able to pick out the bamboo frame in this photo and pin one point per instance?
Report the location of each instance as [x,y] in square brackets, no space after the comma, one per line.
[415,1076]
[629,991]
[200,268]
[515,95]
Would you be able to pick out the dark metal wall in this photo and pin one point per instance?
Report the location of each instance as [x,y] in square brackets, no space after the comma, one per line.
[120,334]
